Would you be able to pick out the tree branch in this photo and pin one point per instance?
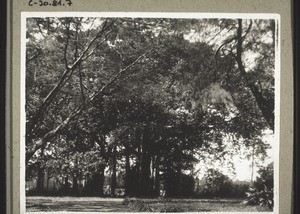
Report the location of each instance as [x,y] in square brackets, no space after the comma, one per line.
[64,78]
[49,135]
[66,47]
[39,27]
[225,43]
[247,31]
[75,56]
[96,47]
[39,51]
[87,88]
[266,110]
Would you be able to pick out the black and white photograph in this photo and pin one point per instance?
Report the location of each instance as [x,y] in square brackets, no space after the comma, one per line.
[149,112]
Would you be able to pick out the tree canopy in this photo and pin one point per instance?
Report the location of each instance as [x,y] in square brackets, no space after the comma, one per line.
[144,97]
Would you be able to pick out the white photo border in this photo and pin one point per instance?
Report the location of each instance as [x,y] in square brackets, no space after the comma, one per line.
[181,15]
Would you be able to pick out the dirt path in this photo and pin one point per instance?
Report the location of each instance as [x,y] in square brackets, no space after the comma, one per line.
[74,204]
[55,205]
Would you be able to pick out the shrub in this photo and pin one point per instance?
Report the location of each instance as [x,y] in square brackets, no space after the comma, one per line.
[239,189]
[215,184]
[262,191]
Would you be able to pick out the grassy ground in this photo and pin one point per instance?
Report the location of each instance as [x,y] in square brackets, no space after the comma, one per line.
[93,204]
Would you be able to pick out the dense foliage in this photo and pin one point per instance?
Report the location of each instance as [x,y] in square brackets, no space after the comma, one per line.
[262,191]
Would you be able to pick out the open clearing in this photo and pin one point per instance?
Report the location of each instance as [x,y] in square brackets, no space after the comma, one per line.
[94,204]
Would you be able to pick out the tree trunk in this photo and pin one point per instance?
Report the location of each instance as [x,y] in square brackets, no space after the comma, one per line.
[138,136]
[101,170]
[48,179]
[157,178]
[75,175]
[40,179]
[75,183]
[145,173]
[41,173]
[178,171]
[114,173]
[252,164]
[96,182]
[168,179]
[66,183]
[127,170]
[145,164]
[178,180]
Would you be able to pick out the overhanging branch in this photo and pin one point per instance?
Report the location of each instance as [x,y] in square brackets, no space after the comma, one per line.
[49,135]
[62,81]
[266,110]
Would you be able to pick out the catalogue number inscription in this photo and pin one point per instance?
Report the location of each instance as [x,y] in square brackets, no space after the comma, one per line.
[53,3]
